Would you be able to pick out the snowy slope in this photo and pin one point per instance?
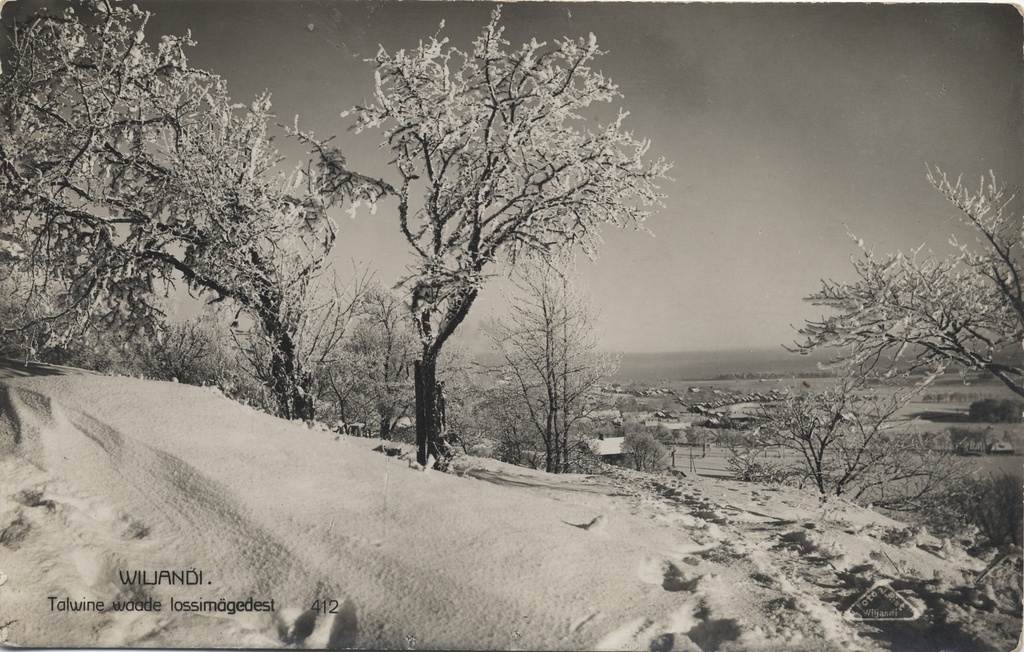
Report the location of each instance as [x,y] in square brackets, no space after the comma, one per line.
[102,475]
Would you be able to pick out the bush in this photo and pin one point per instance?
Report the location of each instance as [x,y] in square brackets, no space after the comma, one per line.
[992,504]
[189,352]
[698,435]
[967,439]
[194,352]
[748,462]
[583,459]
[646,452]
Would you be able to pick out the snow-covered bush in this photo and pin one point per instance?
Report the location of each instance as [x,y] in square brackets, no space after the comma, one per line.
[645,451]
[750,465]
[188,351]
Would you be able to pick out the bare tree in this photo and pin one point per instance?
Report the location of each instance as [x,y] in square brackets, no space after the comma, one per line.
[374,376]
[494,159]
[122,169]
[849,441]
[549,346]
[507,421]
[966,311]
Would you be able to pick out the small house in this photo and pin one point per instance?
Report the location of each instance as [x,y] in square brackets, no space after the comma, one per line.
[1001,448]
[609,449]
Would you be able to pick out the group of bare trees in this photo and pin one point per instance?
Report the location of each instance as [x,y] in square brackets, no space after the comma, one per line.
[847,440]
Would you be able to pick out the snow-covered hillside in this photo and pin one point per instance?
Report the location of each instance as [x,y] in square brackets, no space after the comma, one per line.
[106,476]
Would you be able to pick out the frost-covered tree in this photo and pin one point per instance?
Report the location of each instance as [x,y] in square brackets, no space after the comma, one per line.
[123,170]
[923,312]
[315,317]
[494,158]
[548,343]
[645,451]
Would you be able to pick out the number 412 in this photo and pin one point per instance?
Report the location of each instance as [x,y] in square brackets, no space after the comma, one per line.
[325,606]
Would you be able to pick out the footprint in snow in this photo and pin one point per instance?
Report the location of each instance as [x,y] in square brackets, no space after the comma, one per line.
[33,498]
[660,571]
[294,625]
[14,535]
[673,580]
[710,634]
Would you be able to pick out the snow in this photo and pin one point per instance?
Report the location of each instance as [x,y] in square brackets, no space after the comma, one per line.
[103,474]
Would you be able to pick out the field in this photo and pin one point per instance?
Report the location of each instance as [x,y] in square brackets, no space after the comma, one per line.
[714,462]
[941,406]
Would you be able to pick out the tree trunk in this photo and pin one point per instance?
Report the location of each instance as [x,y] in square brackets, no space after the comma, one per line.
[550,444]
[566,460]
[430,411]
[385,428]
[430,418]
[290,386]
[282,383]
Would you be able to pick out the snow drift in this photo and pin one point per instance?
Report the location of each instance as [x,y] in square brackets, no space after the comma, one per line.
[105,476]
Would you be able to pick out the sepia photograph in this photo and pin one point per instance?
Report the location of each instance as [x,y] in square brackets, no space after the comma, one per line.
[367,324]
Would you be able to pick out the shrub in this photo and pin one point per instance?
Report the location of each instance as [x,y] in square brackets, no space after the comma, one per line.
[967,439]
[748,462]
[189,352]
[992,504]
[194,352]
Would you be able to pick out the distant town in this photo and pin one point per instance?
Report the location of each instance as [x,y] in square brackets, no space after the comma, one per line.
[678,410]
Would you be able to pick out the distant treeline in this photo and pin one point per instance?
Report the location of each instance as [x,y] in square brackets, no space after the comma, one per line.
[953,397]
[772,375]
[992,410]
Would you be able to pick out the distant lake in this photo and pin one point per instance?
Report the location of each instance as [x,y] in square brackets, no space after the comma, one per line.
[702,365]
[707,365]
